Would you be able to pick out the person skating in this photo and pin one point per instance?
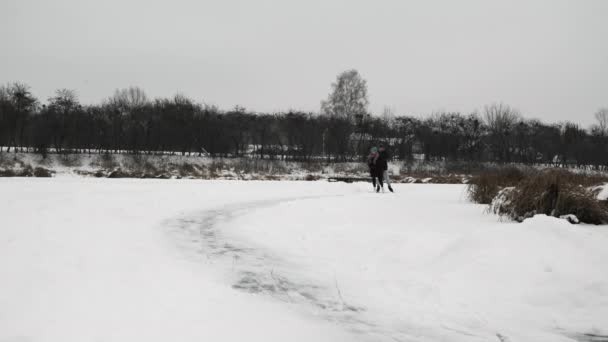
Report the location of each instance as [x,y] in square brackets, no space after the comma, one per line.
[376,169]
[371,163]
[382,165]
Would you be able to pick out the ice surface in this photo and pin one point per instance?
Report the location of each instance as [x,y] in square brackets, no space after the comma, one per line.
[124,260]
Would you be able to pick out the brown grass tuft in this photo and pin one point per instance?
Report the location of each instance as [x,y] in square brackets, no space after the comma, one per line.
[482,188]
[310,177]
[42,172]
[553,192]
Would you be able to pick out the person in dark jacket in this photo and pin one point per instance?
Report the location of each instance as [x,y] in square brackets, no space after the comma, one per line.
[382,166]
[375,169]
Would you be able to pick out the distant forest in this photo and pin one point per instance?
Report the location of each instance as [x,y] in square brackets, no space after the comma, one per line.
[344,130]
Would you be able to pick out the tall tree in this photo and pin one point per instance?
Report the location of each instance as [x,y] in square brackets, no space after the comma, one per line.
[347,101]
[348,96]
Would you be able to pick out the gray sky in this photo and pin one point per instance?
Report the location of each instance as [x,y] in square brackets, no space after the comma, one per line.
[548,58]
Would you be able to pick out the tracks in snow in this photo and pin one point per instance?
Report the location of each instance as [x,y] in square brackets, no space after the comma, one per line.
[259,271]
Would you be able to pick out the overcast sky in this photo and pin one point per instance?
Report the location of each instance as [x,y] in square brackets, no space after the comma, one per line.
[548,58]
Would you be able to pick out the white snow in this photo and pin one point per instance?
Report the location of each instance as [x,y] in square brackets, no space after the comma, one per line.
[426,265]
[88,260]
[602,192]
[185,260]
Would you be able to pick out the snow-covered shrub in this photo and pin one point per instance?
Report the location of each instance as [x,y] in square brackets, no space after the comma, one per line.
[350,168]
[106,161]
[18,170]
[7,173]
[570,218]
[255,166]
[119,173]
[554,192]
[501,201]
[310,177]
[69,160]
[42,172]
[188,170]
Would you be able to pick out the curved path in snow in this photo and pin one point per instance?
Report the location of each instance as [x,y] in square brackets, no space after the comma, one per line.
[440,272]
[260,271]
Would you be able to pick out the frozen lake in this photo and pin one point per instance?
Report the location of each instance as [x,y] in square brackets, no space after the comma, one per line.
[122,260]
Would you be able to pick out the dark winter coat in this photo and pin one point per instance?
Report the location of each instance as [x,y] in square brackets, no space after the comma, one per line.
[371,163]
[382,161]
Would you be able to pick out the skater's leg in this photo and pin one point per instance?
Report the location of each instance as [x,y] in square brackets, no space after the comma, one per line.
[385,177]
[380,183]
[373,174]
[387,180]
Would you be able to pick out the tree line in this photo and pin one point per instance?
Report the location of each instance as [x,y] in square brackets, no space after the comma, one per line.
[344,130]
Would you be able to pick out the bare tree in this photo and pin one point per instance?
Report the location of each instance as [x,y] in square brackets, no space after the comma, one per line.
[602,120]
[124,103]
[62,106]
[128,99]
[19,105]
[501,117]
[64,99]
[388,114]
[501,120]
[348,96]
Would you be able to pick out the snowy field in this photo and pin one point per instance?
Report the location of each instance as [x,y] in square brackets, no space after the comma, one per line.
[85,259]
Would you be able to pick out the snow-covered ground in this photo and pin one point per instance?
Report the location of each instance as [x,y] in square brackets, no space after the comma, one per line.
[85,259]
